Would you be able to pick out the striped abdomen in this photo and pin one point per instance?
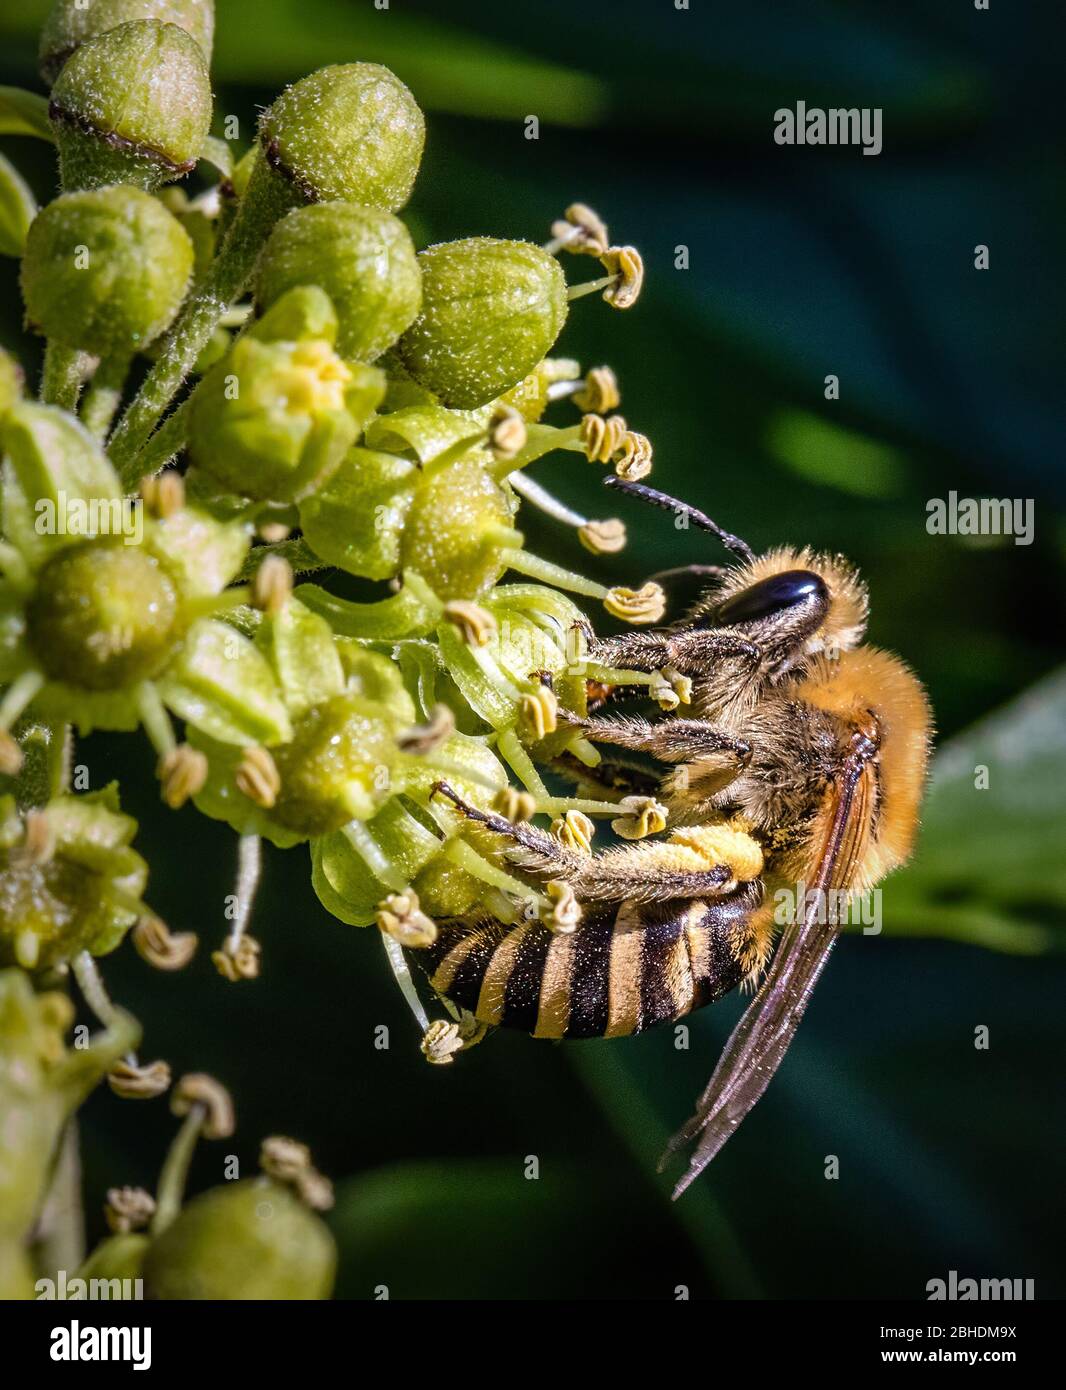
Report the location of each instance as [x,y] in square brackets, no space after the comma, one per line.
[623,970]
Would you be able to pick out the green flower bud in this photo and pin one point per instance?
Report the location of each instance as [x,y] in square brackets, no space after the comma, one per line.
[490,311]
[365,261]
[106,270]
[337,766]
[245,1240]
[131,106]
[356,520]
[275,417]
[71,22]
[118,1257]
[68,880]
[104,615]
[458,523]
[349,131]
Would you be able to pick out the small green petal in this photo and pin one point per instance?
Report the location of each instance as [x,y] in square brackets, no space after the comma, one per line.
[221,683]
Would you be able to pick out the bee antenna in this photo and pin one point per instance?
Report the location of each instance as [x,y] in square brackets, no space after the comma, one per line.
[671,504]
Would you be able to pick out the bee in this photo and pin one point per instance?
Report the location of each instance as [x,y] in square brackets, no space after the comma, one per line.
[797,768]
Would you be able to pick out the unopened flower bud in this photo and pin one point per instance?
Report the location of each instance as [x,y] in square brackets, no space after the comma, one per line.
[255,1239]
[490,311]
[71,22]
[350,131]
[105,270]
[132,105]
[362,257]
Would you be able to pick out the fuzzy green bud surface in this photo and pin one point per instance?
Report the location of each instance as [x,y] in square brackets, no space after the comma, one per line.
[490,311]
[365,261]
[132,105]
[71,22]
[105,270]
[351,131]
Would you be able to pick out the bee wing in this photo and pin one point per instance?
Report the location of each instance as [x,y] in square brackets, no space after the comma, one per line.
[760,1040]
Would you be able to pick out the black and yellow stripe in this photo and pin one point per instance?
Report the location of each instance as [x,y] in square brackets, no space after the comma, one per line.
[625,969]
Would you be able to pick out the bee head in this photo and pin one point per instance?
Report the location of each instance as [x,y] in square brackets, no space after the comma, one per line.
[790,603]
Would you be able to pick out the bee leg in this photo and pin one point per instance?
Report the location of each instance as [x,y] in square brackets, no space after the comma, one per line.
[551,856]
[669,740]
[687,651]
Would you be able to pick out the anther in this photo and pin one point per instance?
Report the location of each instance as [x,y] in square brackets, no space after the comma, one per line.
[199,1089]
[128,1209]
[400,917]
[644,816]
[10,755]
[163,494]
[162,948]
[134,1082]
[273,532]
[507,432]
[562,913]
[514,805]
[575,831]
[271,586]
[421,739]
[441,1041]
[603,537]
[580,231]
[38,842]
[476,625]
[182,773]
[238,959]
[624,262]
[538,711]
[638,606]
[602,437]
[600,392]
[635,462]
[257,777]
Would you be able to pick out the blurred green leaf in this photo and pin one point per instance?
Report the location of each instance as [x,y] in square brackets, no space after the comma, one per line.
[480,1228]
[18,208]
[24,113]
[990,867]
[831,456]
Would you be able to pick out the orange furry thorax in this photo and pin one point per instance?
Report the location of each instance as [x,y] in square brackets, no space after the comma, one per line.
[854,686]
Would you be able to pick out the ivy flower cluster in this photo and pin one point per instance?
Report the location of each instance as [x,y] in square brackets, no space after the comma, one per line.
[252,374]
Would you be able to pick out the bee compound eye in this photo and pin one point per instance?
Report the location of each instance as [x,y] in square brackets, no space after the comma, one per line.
[773,595]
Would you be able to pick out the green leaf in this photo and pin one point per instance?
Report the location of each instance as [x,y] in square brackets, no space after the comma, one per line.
[989,869]
[24,113]
[18,208]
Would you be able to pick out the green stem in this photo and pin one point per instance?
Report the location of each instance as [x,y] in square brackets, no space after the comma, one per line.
[61,378]
[168,440]
[104,393]
[171,1190]
[267,197]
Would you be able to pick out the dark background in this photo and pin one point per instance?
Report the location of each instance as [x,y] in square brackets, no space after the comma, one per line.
[803,262]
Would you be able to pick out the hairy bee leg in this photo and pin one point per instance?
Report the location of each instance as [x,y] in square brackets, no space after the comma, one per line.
[556,858]
[670,740]
[651,651]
